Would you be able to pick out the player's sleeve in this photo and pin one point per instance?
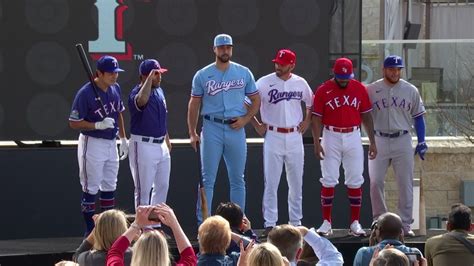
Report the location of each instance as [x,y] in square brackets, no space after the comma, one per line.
[197,90]
[79,107]
[132,101]
[418,107]
[365,104]
[247,101]
[164,100]
[318,102]
[308,96]
[250,87]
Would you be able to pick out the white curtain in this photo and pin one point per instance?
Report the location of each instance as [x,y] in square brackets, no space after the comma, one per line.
[456,59]
[452,22]
[393,20]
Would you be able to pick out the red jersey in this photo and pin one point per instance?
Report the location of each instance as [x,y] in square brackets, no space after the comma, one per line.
[341,107]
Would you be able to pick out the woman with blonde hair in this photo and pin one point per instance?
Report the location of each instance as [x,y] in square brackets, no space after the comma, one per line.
[151,248]
[214,237]
[109,226]
[265,254]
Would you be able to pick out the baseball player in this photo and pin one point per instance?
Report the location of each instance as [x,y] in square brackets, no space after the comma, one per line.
[97,149]
[397,106]
[221,88]
[150,160]
[340,105]
[283,124]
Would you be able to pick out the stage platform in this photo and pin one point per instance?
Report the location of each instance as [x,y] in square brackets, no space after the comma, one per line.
[47,251]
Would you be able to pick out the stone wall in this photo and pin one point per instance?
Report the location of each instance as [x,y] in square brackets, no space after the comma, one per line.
[447,163]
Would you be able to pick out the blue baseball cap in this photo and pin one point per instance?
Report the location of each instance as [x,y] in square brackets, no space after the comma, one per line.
[108,64]
[148,65]
[393,61]
[222,39]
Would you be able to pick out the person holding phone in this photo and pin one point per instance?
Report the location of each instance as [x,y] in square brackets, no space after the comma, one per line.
[388,231]
[151,248]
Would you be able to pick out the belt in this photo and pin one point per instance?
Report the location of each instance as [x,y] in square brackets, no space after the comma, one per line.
[219,120]
[147,139]
[391,135]
[342,129]
[153,140]
[282,129]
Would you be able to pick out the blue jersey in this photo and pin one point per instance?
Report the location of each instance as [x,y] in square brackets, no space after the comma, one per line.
[85,107]
[149,120]
[223,92]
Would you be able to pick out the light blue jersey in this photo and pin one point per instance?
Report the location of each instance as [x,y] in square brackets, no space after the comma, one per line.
[223,92]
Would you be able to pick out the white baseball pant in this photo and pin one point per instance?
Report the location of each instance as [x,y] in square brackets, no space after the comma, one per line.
[279,149]
[150,164]
[98,164]
[346,148]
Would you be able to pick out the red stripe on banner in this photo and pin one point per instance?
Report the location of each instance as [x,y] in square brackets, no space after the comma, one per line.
[119,22]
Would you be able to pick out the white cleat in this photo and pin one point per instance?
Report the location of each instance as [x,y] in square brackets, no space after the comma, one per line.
[325,229]
[356,229]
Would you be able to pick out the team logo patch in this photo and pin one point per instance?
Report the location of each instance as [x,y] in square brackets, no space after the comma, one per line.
[74,114]
[344,70]
[214,87]
[278,96]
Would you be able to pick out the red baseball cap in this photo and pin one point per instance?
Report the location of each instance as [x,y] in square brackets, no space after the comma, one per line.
[343,68]
[285,57]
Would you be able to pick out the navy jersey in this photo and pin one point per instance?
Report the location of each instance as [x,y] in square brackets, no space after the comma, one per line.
[150,120]
[86,107]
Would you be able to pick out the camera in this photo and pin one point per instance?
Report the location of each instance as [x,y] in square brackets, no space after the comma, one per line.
[154,217]
[413,257]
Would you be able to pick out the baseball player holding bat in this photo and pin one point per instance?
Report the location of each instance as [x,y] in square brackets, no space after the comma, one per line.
[221,88]
[340,105]
[397,106]
[150,160]
[99,119]
[281,94]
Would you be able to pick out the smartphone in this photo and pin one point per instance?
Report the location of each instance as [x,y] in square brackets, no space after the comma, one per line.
[246,241]
[413,257]
[154,217]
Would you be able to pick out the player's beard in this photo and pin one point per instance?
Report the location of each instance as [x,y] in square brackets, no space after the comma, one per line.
[391,80]
[341,85]
[156,83]
[224,58]
[281,72]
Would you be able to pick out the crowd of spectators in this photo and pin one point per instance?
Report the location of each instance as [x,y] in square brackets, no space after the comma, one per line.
[228,239]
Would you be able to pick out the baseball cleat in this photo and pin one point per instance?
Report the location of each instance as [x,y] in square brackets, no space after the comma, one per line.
[325,229]
[356,229]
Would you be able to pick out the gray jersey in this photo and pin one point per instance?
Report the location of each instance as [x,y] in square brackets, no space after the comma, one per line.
[394,107]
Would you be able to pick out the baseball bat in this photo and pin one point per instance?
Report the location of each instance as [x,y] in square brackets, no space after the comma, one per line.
[90,75]
[422,203]
[202,191]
